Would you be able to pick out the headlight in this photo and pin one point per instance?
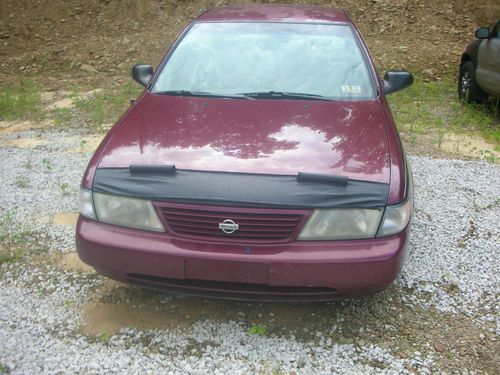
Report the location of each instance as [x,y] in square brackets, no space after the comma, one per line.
[396,218]
[341,224]
[127,212]
[86,204]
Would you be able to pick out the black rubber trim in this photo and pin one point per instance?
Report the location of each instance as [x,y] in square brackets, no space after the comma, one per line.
[234,291]
[239,189]
[322,178]
[151,169]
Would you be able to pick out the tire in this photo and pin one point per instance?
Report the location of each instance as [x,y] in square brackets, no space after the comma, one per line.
[468,90]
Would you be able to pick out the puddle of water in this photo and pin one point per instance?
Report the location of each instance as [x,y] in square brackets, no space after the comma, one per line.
[65,218]
[71,262]
[18,126]
[474,146]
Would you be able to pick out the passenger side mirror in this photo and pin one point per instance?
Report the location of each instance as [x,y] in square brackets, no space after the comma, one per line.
[483,33]
[395,81]
[142,73]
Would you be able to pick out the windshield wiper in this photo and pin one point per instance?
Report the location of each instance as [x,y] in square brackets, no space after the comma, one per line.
[282,95]
[201,93]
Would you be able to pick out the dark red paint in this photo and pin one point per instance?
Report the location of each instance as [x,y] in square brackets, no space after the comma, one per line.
[348,267]
[357,139]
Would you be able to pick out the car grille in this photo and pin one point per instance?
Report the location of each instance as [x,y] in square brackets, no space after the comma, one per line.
[244,291]
[255,225]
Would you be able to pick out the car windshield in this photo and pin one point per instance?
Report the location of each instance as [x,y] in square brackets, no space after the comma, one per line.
[267,60]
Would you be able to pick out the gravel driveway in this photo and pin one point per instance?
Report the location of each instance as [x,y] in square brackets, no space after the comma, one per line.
[57,316]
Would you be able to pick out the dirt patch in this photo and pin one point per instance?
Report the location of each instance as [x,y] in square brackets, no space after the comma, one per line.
[102,318]
[67,99]
[78,144]
[469,147]
[86,144]
[384,320]
[102,36]
[72,262]
[65,218]
[474,146]
[27,142]
[61,104]
[7,127]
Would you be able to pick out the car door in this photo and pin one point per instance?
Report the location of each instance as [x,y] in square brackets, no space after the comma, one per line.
[488,67]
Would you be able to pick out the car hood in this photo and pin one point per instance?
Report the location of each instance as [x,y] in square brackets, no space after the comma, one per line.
[253,136]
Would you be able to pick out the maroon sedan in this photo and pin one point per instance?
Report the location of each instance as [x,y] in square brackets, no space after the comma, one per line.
[261,161]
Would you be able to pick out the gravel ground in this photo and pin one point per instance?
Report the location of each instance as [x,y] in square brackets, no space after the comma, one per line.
[441,315]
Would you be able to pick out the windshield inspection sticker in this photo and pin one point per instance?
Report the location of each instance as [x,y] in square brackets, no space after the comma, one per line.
[351,89]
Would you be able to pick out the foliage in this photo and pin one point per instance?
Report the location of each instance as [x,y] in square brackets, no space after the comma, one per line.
[433,107]
[20,101]
[258,329]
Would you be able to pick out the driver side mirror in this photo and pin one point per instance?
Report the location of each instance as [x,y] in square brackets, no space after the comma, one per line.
[395,81]
[142,73]
[483,33]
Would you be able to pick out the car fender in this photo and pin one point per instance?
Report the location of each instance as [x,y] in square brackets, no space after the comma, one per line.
[471,53]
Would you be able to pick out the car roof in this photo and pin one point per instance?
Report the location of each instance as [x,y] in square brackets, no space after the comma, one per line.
[275,13]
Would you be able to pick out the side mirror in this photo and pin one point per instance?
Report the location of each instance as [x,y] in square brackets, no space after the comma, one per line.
[483,33]
[395,81]
[142,73]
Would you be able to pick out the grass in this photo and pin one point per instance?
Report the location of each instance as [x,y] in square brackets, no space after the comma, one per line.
[101,107]
[20,101]
[433,108]
[15,240]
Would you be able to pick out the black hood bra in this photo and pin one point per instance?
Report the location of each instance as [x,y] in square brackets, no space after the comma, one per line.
[304,191]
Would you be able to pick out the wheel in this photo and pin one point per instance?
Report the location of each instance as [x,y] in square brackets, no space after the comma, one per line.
[468,90]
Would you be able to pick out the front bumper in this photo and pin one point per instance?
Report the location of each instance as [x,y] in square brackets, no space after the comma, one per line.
[301,270]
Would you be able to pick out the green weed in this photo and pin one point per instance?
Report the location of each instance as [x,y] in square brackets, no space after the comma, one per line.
[104,338]
[21,182]
[15,240]
[258,329]
[62,116]
[28,164]
[47,163]
[12,239]
[433,108]
[20,101]
[107,105]
[65,189]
